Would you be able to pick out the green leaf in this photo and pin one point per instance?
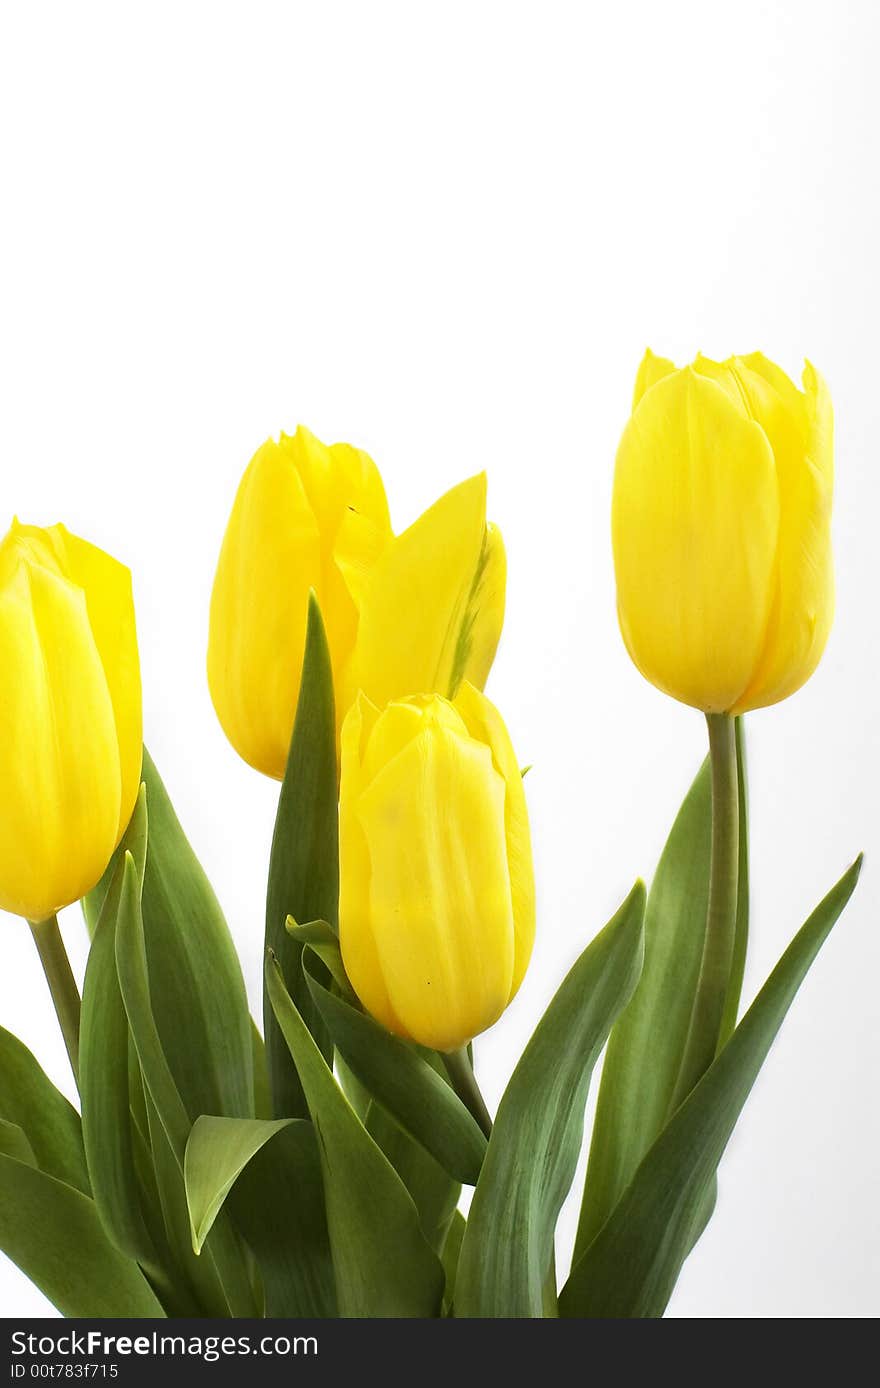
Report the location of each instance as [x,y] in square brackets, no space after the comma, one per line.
[277,1204]
[434,1192]
[134,982]
[216,1152]
[29,1099]
[304,863]
[133,841]
[403,1082]
[451,1254]
[222,1247]
[384,1266]
[262,1095]
[104,1073]
[631,1267]
[507,1251]
[53,1233]
[644,1053]
[196,1277]
[357,1095]
[323,942]
[199,999]
[14,1143]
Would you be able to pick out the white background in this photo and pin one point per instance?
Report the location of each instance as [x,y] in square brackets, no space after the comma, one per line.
[446,233]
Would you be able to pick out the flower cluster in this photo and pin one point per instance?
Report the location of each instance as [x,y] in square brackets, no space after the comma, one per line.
[315,1169]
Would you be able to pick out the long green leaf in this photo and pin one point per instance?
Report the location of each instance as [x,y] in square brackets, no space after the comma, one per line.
[304,863]
[200,1004]
[451,1254]
[507,1251]
[262,1094]
[104,1073]
[14,1143]
[433,1191]
[199,998]
[53,1233]
[222,1247]
[641,1064]
[197,1277]
[217,1151]
[403,1082]
[133,841]
[384,1266]
[29,1099]
[323,943]
[631,1267]
[277,1204]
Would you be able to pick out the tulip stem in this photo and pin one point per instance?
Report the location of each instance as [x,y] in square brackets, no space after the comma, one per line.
[712,986]
[62,984]
[463,1080]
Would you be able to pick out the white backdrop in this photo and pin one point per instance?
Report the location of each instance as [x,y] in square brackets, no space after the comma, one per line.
[446,233]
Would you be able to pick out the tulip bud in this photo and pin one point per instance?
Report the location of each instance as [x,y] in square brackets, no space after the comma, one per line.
[306,516]
[70,716]
[437,896]
[722,530]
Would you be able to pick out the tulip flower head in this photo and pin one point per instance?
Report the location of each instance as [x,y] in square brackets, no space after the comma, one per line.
[306,517]
[70,716]
[437,897]
[418,611]
[721,528]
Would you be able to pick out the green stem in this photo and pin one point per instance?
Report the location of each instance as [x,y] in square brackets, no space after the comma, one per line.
[712,986]
[464,1082]
[62,984]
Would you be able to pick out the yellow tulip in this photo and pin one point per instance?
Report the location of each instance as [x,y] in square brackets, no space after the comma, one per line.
[70,716]
[722,530]
[437,896]
[433,606]
[306,516]
[419,612]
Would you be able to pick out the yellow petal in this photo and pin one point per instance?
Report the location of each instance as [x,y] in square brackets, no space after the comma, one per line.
[803,602]
[485,723]
[651,370]
[59,754]
[762,392]
[480,629]
[820,423]
[336,477]
[306,516]
[107,587]
[361,485]
[359,544]
[270,560]
[400,722]
[439,894]
[759,365]
[347,498]
[355,933]
[433,608]
[695,521]
[723,373]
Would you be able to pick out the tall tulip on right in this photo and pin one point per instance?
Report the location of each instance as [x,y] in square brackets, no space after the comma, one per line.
[721,525]
[722,530]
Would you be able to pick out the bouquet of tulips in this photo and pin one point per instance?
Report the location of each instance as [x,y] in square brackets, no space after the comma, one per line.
[314,1167]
